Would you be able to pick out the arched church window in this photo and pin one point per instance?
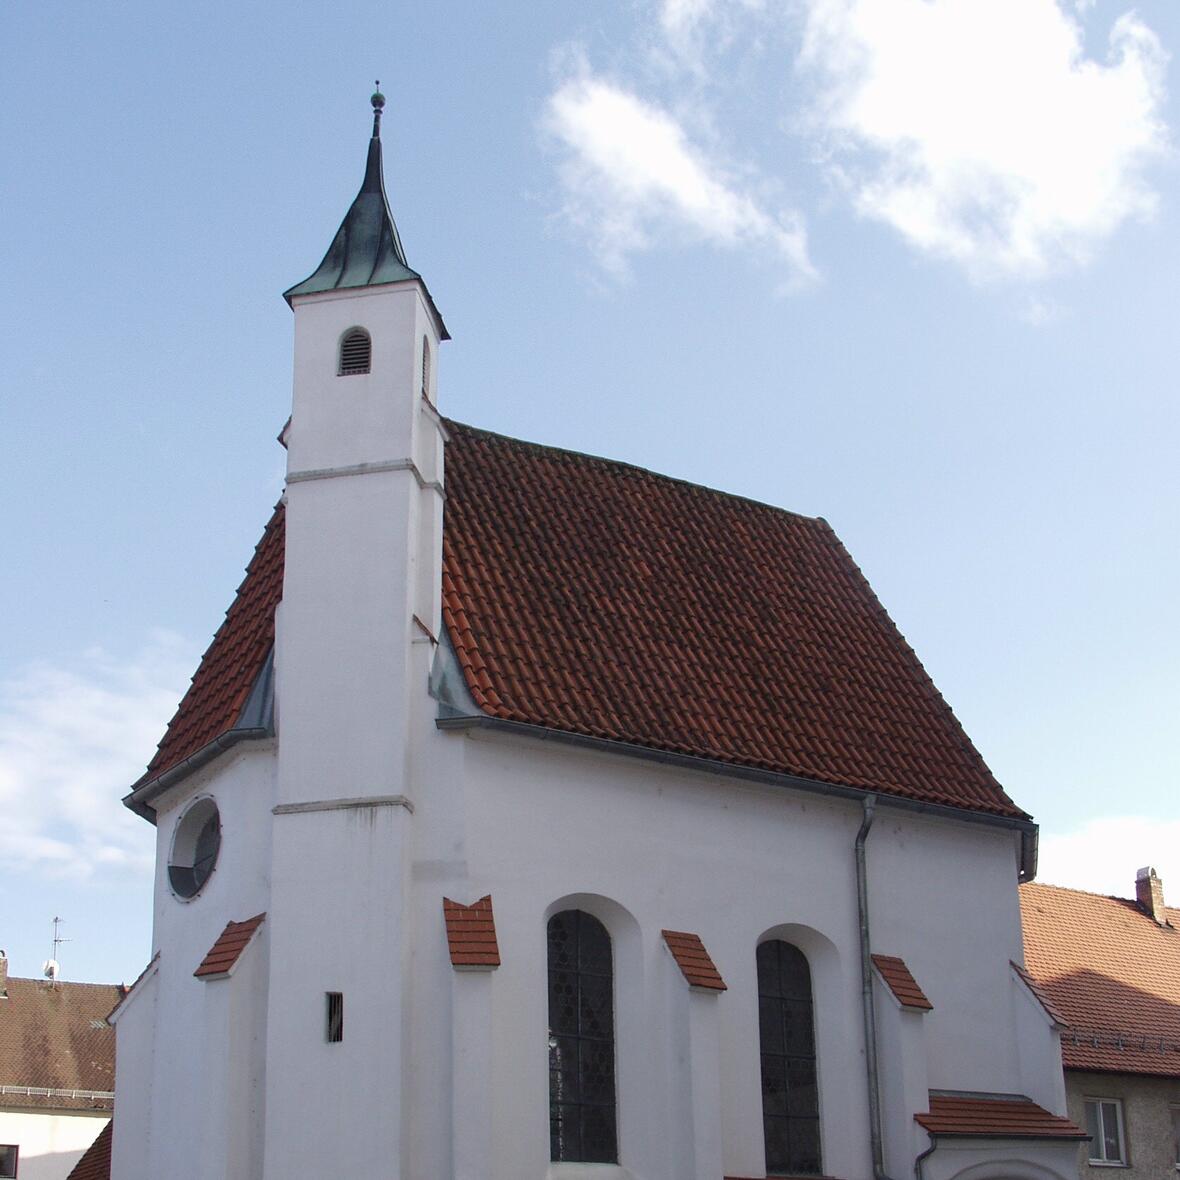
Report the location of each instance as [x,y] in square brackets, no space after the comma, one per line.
[790,1097]
[425,368]
[581,1040]
[356,350]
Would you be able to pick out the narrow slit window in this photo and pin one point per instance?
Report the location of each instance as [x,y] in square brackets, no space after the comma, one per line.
[425,368]
[335,1016]
[356,352]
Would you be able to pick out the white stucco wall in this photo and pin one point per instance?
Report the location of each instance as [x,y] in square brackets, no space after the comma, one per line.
[541,826]
[50,1142]
[175,1060]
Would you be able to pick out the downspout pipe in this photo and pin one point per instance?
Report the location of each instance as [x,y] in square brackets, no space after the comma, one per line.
[876,1142]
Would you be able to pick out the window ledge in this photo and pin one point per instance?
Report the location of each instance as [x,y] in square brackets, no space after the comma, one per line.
[580,1171]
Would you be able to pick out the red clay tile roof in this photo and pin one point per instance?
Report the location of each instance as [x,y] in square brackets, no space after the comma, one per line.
[1112,973]
[233,660]
[56,1038]
[900,982]
[95,1163]
[1039,993]
[597,598]
[693,960]
[1002,1118]
[224,953]
[471,933]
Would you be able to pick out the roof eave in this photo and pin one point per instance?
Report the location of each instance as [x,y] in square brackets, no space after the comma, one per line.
[293,293]
[1026,827]
[141,798]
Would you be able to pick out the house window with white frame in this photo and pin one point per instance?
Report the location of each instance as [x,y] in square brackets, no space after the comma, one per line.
[1104,1122]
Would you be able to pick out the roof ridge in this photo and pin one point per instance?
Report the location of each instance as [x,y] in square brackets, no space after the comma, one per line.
[1085,892]
[624,465]
[57,984]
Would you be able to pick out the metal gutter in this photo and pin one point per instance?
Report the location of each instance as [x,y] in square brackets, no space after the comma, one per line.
[139,800]
[1026,827]
[869,1012]
[920,1159]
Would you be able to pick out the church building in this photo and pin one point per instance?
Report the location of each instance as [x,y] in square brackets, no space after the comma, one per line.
[532,815]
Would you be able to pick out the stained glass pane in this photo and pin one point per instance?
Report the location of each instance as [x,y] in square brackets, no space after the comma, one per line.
[790,1096]
[581,1040]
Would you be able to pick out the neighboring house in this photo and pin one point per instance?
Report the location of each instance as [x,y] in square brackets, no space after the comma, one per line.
[533,815]
[95,1164]
[1110,967]
[57,1072]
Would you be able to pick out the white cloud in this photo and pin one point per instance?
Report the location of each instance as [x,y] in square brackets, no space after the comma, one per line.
[692,29]
[72,740]
[981,132]
[631,176]
[1103,855]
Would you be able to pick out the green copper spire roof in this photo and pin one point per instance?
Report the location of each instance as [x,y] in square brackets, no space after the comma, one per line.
[366,250]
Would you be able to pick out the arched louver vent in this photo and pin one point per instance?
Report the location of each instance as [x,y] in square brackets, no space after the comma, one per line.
[425,368]
[355,352]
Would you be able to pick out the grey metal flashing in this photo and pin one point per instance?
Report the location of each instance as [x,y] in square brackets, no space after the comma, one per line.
[343,804]
[254,722]
[1025,827]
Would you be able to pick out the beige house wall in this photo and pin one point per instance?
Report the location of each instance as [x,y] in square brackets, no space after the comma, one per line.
[1147,1121]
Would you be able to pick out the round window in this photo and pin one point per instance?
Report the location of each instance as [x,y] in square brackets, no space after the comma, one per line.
[194,848]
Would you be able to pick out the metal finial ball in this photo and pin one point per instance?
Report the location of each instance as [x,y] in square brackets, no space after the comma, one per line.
[378,99]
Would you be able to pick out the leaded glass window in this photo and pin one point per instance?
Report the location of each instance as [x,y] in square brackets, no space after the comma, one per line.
[790,1097]
[581,1040]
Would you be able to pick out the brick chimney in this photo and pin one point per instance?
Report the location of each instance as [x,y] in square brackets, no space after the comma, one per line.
[1149,892]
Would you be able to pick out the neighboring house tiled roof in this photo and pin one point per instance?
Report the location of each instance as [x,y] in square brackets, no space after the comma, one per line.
[1112,973]
[231,664]
[693,960]
[224,953]
[995,1118]
[95,1163]
[54,1039]
[901,982]
[602,600]
[471,934]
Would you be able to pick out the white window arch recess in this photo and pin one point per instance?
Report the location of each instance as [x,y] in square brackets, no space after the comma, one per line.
[356,352]
[426,368]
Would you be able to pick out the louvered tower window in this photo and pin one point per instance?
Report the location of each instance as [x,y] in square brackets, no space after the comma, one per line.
[356,351]
[790,1097]
[581,1040]
[425,368]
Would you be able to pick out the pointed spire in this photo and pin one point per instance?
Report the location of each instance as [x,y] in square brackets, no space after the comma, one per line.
[366,250]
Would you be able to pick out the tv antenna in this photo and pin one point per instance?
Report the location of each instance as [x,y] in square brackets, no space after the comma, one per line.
[51,968]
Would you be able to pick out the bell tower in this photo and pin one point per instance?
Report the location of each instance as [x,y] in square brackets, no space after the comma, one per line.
[362,581]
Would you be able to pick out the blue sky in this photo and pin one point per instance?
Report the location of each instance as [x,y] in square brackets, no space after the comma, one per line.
[911,265]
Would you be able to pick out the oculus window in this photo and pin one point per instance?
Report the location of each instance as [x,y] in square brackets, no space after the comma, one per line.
[195,846]
[581,1040]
